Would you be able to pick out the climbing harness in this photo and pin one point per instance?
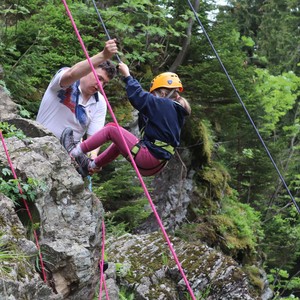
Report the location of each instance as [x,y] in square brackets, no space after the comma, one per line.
[167,147]
[163,162]
[135,149]
[156,169]
[142,122]
[26,206]
[244,107]
[130,156]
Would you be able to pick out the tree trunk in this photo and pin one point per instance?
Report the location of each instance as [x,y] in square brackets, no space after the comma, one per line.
[181,55]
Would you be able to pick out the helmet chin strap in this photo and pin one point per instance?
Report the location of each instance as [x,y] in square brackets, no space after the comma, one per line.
[171,94]
[161,94]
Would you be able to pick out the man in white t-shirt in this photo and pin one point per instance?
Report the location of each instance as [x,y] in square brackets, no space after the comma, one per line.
[72,98]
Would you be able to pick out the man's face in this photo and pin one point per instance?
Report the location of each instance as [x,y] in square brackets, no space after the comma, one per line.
[89,84]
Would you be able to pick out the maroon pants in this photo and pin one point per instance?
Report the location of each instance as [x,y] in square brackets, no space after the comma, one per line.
[147,164]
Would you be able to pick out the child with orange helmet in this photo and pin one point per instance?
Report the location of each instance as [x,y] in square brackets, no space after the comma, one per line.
[163,112]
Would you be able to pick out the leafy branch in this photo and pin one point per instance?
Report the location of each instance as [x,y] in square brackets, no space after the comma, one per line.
[9,130]
[12,187]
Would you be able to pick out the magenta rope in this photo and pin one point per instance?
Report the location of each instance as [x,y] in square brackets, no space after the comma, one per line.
[129,154]
[26,206]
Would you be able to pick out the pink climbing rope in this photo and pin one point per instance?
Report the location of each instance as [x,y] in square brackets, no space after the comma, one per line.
[26,206]
[129,153]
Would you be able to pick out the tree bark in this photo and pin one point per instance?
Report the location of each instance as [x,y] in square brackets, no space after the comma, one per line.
[186,42]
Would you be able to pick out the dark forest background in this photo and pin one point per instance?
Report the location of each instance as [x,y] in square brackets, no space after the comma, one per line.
[257,42]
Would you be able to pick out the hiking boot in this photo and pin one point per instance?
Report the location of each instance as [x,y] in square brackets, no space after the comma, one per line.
[67,139]
[83,164]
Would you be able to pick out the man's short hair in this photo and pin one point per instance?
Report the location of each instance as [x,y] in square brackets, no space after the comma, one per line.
[110,69]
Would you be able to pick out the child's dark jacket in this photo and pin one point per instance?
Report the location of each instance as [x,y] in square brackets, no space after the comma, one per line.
[165,118]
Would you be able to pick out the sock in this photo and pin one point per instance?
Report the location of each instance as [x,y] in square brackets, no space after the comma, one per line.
[92,165]
[76,151]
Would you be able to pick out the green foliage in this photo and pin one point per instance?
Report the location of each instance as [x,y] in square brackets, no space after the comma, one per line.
[255,277]
[256,42]
[9,130]
[200,295]
[122,269]
[133,214]
[148,40]
[216,179]
[122,195]
[275,95]
[295,183]
[9,257]
[123,184]
[3,85]
[282,283]
[248,41]
[165,259]
[114,228]
[239,225]
[24,113]
[34,51]
[282,236]
[198,136]
[126,295]
[234,227]
[17,190]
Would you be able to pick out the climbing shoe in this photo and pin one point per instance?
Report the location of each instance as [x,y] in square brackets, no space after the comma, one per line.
[67,139]
[83,163]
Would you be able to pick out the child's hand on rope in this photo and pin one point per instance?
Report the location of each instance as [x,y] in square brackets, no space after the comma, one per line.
[123,69]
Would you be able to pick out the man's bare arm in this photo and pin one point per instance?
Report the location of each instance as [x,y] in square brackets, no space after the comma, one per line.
[83,68]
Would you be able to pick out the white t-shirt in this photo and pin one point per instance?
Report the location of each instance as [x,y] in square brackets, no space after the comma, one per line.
[57,109]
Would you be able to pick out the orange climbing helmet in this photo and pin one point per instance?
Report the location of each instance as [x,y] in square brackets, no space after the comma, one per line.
[167,80]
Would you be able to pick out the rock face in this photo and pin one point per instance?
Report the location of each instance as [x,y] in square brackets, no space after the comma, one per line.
[171,199]
[68,218]
[19,279]
[146,264]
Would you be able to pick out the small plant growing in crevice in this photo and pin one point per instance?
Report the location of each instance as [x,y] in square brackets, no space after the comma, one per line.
[23,112]
[122,269]
[12,188]
[9,130]
[3,85]
[165,259]
[23,195]
[9,257]
[125,294]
